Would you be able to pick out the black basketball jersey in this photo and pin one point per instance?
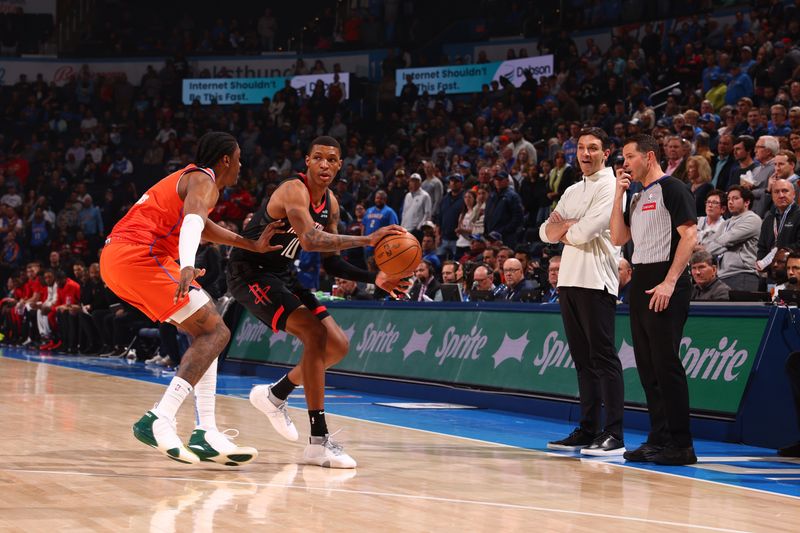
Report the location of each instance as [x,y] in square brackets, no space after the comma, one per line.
[279,261]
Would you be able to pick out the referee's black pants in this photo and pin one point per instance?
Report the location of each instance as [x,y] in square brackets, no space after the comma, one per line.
[656,339]
[588,316]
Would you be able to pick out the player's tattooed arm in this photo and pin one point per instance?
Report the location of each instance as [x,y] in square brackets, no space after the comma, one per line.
[329,240]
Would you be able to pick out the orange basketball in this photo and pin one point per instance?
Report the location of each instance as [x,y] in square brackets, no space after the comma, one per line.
[396,254]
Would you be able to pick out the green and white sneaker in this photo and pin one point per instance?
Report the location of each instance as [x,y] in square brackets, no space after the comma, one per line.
[161,434]
[215,446]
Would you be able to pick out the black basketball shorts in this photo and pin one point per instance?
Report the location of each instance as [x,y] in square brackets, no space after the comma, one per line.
[272,297]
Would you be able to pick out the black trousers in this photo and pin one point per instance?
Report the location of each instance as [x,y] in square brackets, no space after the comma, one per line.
[588,316]
[67,329]
[793,371]
[89,337]
[656,338]
[101,318]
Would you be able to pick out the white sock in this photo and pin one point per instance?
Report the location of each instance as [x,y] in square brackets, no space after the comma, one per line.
[177,391]
[205,396]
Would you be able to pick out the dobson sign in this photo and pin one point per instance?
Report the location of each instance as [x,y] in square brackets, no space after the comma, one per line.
[472,78]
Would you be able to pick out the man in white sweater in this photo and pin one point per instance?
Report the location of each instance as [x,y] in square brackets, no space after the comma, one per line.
[588,282]
[417,206]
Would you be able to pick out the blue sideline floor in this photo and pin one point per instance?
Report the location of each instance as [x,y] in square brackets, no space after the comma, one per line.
[719,462]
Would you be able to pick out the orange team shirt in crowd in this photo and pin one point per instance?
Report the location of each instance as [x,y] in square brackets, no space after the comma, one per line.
[157,217]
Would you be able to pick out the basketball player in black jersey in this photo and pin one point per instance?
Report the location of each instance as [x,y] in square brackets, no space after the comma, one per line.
[265,285]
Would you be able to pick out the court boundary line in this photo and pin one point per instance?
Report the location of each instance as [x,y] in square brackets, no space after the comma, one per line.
[472,439]
[419,497]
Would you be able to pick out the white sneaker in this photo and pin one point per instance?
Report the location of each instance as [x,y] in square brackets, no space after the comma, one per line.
[322,451]
[153,360]
[276,414]
[160,433]
[216,446]
[27,342]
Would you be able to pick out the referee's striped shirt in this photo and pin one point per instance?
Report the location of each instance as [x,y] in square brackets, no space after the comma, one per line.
[654,216]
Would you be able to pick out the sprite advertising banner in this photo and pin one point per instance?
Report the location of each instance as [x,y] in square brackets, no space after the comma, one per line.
[513,351]
[457,79]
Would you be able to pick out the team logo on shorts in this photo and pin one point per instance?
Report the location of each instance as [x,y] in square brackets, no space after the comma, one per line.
[259,293]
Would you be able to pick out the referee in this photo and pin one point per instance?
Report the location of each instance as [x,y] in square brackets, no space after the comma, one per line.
[662,221]
[588,281]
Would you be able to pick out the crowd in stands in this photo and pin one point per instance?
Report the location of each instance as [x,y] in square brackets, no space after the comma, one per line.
[472,176]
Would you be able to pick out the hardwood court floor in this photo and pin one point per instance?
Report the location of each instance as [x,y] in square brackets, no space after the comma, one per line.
[69,463]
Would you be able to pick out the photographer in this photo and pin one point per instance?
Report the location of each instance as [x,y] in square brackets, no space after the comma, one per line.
[793,361]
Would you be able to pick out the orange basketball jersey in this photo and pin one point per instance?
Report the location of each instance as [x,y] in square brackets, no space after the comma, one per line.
[155,220]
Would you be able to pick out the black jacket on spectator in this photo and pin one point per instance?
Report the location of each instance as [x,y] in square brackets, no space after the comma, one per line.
[724,179]
[525,291]
[504,214]
[430,291]
[788,236]
[449,210]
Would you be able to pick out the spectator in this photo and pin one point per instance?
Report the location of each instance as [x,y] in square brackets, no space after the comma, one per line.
[425,285]
[378,216]
[516,287]
[465,228]
[698,172]
[743,153]
[91,222]
[766,148]
[785,162]
[781,226]
[625,271]
[735,245]
[483,280]
[520,143]
[550,294]
[447,218]
[433,185]
[709,225]
[676,164]
[723,162]
[561,177]
[417,207]
[777,126]
[429,252]
[707,286]
[350,290]
[504,210]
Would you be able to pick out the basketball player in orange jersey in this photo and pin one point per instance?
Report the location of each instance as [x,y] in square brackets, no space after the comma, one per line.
[138,264]
[263,283]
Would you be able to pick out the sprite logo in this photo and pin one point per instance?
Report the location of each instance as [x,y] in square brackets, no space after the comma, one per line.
[374,340]
[712,363]
[458,346]
[252,331]
[555,353]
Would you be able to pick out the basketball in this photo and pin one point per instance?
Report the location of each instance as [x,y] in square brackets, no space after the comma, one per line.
[396,254]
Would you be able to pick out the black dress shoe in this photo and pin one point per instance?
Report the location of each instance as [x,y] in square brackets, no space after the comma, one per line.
[793,450]
[605,444]
[675,456]
[643,454]
[579,438]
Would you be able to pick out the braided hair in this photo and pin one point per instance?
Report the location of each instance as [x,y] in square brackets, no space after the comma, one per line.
[212,146]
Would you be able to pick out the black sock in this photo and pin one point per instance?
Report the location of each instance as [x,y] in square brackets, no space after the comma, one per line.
[283,388]
[318,426]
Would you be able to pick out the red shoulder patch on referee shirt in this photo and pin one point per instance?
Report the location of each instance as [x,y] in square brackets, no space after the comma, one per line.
[649,206]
